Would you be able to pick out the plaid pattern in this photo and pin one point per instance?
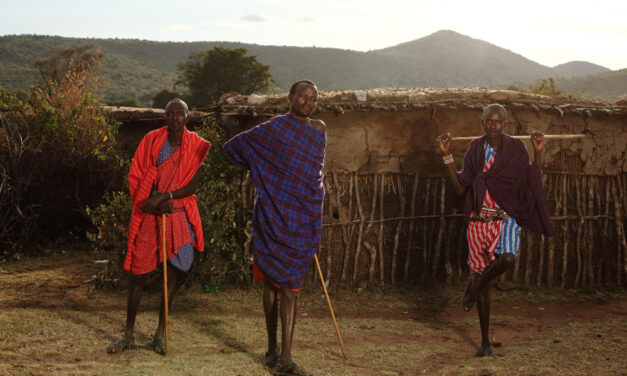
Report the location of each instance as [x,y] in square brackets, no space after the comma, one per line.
[285,157]
[485,239]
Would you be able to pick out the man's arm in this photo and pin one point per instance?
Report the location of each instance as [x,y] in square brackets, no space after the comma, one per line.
[445,144]
[537,140]
[318,124]
[160,202]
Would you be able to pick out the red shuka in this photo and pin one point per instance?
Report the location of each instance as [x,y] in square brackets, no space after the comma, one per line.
[143,176]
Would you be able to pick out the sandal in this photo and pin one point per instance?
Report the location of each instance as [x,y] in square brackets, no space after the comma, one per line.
[158,345]
[290,369]
[272,359]
[469,295]
[120,345]
[484,351]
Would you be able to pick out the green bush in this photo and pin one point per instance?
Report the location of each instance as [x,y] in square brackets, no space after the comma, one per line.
[111,219]
[224,221]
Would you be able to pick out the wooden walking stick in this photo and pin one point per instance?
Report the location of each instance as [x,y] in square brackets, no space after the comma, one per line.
[324,287]
[524,137]
[165,287]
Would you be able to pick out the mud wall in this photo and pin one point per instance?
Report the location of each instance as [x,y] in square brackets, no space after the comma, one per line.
[404,141]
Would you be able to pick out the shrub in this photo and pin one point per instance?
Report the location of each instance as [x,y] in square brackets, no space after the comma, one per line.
[56,156]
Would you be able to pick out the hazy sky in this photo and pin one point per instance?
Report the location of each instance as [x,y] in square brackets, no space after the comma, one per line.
[548,32]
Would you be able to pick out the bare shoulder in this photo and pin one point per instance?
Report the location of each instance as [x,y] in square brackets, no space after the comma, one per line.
[318,124]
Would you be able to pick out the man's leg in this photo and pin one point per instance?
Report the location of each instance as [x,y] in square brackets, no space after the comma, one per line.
[271,311]
[288,319]
[501,265]
[483,309]
[135,289]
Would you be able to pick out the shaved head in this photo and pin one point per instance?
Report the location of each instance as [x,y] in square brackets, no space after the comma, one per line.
[494,107]
[179,101]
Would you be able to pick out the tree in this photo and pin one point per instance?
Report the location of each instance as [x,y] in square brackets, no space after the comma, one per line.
[164,96]
[210,74]
[59,63]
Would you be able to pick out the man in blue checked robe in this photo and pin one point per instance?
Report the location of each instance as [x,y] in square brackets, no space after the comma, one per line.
[285,156]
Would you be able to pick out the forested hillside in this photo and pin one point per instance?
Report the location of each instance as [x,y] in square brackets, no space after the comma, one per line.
[140,68]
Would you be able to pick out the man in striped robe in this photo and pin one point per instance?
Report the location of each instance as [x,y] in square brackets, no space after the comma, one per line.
[499,191]
[162,179]
[285,156]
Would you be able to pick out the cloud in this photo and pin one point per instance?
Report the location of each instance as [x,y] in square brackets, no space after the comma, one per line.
[178,27]
[252,17]
[306,19]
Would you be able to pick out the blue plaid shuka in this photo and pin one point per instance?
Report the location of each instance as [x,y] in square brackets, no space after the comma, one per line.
[285,157]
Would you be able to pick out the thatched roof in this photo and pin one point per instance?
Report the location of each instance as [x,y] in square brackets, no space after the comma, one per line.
[137,114]
[408,99]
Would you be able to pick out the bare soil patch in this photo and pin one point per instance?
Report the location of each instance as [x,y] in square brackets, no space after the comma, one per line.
[53,323]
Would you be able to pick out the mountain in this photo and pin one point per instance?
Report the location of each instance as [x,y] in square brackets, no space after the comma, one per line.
[458,60]
[140,68]
[601,87]
[577,68]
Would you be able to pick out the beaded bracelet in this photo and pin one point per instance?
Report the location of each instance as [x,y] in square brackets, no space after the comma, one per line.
[448,159]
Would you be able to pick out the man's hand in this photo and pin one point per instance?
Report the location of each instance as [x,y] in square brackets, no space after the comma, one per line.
[157,204]
[165,207]
[537,139]
[445,142]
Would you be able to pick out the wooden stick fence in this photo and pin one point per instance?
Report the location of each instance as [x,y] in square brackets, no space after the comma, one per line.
[389,228]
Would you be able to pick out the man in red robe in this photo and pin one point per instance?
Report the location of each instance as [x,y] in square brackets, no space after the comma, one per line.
[163,179]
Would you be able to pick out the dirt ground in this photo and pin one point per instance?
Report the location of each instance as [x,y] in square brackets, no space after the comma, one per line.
[53,323]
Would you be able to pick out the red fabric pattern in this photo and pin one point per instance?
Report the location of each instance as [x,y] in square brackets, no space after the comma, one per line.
[483,236]
[143,237]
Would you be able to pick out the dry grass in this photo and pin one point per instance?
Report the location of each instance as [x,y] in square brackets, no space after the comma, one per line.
[53,324]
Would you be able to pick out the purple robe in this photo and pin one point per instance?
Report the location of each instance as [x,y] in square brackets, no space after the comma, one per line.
[514,183]
[285,157]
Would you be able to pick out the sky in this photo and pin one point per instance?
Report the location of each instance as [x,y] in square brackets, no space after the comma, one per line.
[547,32]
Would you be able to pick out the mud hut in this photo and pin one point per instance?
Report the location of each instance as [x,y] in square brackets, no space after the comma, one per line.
[385,218]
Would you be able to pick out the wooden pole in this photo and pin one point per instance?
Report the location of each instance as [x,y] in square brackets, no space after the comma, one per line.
[525,137]
[412,208]
[380,235]
[165,286]
[579,231]
[399,224]
[425,231]
[565,233]
[441,227]
[362,219]
[324,287]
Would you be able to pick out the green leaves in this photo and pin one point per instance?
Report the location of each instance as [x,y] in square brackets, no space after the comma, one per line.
[210,74]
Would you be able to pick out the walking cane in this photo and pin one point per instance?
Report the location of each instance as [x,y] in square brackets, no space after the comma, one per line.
[165,287]
[324,287]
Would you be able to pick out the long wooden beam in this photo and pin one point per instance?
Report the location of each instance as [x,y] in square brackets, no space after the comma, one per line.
[525,137]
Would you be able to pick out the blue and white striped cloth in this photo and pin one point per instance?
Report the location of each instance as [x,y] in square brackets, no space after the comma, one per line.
[509,240]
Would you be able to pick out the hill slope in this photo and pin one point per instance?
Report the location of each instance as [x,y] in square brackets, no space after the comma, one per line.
[604,86]
[577,68]
[140,68]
